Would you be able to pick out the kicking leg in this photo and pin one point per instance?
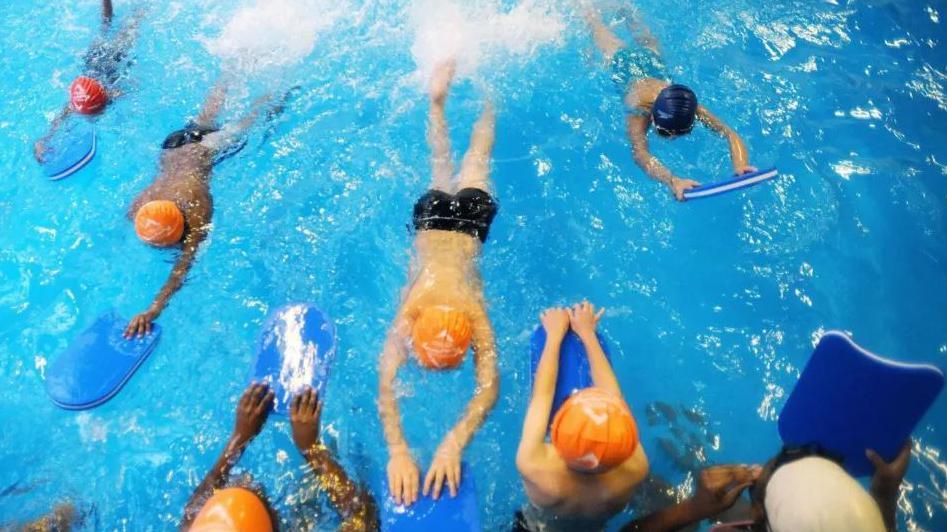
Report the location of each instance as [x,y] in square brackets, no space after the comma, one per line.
[106,14]
[604,38]
[438,137]
[214,103]
[640,31]
[475,170]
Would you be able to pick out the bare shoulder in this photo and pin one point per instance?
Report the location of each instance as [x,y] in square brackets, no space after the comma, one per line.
[644,92]
[634,470]
[545,463]
[547,479]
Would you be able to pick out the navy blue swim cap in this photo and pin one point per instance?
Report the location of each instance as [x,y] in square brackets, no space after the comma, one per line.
[674,110]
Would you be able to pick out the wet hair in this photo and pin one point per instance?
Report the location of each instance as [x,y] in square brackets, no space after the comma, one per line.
[674,111]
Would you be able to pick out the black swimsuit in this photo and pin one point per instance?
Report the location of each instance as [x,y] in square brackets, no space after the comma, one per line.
[470,211]
[189,135]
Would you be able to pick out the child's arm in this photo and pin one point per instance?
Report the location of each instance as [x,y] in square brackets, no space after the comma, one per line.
[739,155]
[252,410]
[556,323]
[584,320]
[637,130]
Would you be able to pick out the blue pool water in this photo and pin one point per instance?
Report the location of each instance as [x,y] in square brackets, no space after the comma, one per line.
[713,306]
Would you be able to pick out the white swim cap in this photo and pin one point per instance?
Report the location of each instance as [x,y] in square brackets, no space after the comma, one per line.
[816,495]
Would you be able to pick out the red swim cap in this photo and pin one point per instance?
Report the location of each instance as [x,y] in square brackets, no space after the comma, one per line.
[87,96]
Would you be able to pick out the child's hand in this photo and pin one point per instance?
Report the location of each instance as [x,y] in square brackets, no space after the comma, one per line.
[746,169]
[556,323]
[584,319]
[252,410]
[679,186]
[304,414]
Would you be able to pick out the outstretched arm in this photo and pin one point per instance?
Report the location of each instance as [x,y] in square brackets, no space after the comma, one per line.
[355,504]
[886,483]
[718,488]
[39,149]
[446,463]
[584,320]
[252,410]
[141,324]
[739,155]
[637,129]
[403,473]
[556,323]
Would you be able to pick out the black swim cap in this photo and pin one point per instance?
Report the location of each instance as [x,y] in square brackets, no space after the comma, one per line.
[674,110]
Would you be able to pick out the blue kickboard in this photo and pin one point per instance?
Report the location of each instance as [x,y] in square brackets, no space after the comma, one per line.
[848,400]
[456,514]
[296,349]
[729,185]
[70,149]
[97,364]
[574,371]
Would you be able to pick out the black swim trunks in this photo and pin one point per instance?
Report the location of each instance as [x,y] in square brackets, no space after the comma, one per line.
[470,211]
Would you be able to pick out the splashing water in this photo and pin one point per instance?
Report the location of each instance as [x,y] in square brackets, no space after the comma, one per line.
[475,34]
[273,33]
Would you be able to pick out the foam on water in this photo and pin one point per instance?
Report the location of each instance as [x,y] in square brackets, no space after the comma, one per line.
[478,33]
[273,33]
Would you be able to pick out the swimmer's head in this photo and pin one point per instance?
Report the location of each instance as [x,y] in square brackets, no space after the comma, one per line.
[234,510]
[159,223]
[813,494]
[441,336]
[674,111]
[594,431]
[87,96]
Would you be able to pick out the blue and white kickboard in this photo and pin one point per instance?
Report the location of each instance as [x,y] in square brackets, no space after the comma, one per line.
[70,149]
[97,364]
[734,183]
[296,349]
[456,514]
[848,400]
[574,370]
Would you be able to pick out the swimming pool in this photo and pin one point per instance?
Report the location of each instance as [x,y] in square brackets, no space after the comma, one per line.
[713,306]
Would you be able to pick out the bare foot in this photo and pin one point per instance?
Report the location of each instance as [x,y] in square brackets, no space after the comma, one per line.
[440,81]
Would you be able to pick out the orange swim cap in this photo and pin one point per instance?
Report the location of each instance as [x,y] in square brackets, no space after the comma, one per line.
[441,337]
[233,510]
[87,96]
[594,431]
[159,223]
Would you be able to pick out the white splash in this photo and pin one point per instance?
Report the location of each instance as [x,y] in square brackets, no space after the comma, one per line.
[299,356]
[476,33]
[273,33]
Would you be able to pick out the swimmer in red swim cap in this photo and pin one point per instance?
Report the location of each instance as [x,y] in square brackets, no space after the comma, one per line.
[104,65]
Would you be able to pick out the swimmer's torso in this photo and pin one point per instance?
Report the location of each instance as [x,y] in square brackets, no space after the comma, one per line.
[445,272]
[562,496]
